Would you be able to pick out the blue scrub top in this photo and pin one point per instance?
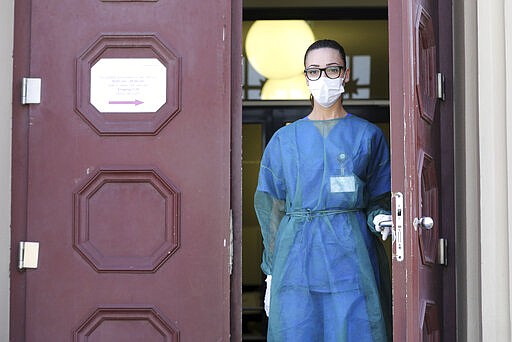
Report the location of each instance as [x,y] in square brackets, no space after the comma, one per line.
[320,185]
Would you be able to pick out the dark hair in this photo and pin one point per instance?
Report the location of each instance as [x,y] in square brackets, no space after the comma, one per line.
[326,43]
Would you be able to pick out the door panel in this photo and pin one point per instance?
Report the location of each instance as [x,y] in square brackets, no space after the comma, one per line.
[420,120]
[131,209]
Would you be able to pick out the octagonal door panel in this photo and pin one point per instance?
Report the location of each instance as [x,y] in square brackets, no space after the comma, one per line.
[124,171]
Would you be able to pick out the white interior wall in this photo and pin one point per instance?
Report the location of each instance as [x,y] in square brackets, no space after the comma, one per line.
[6,48]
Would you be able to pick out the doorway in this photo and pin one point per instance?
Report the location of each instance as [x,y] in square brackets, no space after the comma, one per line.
[363,32]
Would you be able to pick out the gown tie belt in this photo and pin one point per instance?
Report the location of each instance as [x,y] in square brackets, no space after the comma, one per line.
[309,214]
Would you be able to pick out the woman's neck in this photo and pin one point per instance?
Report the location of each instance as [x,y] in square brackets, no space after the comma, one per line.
[336,111]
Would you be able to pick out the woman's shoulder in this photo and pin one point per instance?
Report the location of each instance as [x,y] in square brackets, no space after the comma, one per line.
[361,123]
[291,127]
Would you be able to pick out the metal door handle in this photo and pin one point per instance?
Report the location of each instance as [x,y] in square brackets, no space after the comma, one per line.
[425,222]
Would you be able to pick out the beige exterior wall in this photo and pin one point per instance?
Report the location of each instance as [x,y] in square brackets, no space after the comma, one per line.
[466,169]
[495,159]
[483,50]
[6,43]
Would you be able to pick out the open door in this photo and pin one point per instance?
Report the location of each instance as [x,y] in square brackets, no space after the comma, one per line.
[422,169]
[122,170]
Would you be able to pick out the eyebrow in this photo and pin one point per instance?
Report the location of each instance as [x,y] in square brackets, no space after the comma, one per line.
[328,64]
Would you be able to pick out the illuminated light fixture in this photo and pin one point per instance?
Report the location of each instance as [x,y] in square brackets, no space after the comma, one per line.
[293,88]
[275,48]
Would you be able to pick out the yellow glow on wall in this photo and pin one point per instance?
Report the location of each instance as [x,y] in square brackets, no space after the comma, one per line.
[275,48]
[293,88]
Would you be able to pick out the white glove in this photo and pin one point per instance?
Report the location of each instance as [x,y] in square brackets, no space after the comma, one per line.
[383,224]
[266,302]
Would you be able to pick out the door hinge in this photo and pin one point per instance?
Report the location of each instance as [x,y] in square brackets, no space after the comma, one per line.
[442,252]
[230,241]
[440,87]
[30,90]
[28,255]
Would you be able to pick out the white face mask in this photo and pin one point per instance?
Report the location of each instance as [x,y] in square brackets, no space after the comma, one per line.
[327,91]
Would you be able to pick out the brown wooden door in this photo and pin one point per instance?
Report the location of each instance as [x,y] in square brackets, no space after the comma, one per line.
[422,168]
[122,171]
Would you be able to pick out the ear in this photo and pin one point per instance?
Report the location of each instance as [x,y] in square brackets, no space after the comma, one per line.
[347,75]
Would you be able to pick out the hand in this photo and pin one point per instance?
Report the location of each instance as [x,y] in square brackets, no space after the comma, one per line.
[383,224]
[266,302]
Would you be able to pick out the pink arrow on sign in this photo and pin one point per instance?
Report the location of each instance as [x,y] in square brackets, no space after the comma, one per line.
[135,102]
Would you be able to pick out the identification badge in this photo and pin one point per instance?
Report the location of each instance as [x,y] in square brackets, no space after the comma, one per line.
[343,184]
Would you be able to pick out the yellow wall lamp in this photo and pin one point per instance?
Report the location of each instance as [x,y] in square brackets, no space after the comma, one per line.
[275,49]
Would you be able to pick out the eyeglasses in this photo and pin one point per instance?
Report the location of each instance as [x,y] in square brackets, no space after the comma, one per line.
[332,71]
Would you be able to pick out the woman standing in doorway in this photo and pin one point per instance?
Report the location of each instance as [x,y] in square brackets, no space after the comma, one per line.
[323,203]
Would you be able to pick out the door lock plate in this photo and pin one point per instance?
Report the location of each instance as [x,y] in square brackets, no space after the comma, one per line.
[399,222]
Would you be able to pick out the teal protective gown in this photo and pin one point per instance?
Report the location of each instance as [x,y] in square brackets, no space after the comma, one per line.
[320,185]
